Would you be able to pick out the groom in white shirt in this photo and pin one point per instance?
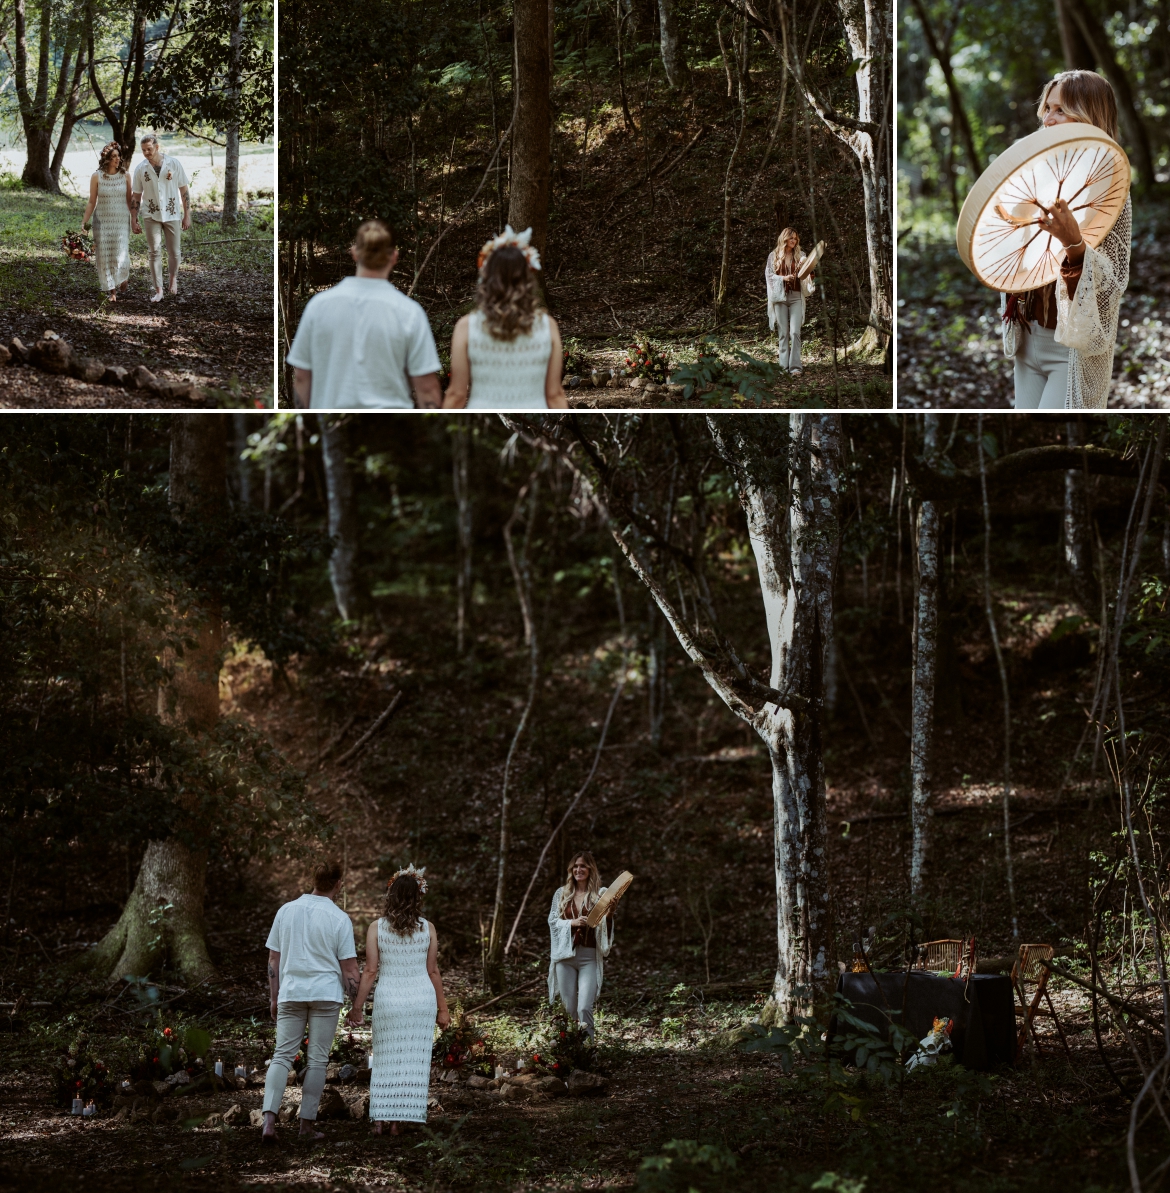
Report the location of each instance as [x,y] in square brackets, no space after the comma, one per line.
[159,183]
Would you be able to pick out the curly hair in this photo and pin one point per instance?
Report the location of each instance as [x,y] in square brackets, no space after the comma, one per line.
[507,294]
[781,257]
[108,151]
[404,905]
[592,885]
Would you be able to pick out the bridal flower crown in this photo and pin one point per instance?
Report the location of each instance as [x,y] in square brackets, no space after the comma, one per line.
[520,240]
[417,875]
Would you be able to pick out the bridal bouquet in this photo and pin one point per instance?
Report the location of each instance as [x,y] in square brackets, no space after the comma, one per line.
[78,245]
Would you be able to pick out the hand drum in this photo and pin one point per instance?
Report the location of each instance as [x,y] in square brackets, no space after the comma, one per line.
[999,235]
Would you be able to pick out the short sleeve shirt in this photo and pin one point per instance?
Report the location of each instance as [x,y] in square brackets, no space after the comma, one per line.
[159,189]
[312,935]
[362,340]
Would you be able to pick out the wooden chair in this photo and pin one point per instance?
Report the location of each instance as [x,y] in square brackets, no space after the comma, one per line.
[942,955]
[1028,968]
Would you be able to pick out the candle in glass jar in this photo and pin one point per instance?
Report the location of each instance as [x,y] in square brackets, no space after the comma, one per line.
[241,1071]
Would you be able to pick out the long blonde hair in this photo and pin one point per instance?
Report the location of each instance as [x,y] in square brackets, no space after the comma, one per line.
[780,252]
[1085,96]
[592,887]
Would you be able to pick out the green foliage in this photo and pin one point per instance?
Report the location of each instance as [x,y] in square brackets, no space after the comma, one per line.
[10,182]
[81,1074]
[686,1166]
[197,1042]
[746,381]
[562,1045]
[647,360]
[191,87]
[447,1149]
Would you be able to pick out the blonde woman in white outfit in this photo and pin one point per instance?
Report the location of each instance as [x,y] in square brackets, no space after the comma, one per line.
[1061,337]
[786,296]
[109,205]
[577,962]
[507,354]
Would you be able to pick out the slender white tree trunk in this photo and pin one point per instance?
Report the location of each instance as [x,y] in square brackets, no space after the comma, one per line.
[925,651]
[231,173]
[343,526]
[1076,534]
[673,61]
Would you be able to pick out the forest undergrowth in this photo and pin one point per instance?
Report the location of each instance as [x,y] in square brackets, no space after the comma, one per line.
[686,1106]
[950,352]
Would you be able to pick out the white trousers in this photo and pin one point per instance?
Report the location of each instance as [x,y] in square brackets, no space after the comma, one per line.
[789,320]
[291,1020]
[1041,368]
[156,233]
[577,986]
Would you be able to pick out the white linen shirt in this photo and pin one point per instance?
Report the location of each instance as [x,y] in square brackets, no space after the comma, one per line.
[362,340]
[161,200]
[312,935]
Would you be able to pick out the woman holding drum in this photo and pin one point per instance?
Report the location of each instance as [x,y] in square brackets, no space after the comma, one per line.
[789,284]
[1048,225]
[580,921]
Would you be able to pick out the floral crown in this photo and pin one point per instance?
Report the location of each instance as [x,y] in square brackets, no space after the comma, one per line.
[417,875]
[520,240]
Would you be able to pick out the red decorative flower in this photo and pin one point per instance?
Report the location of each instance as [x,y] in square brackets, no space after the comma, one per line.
[167,1032]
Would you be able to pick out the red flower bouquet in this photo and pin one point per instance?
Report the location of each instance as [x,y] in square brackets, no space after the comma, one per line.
[78,245]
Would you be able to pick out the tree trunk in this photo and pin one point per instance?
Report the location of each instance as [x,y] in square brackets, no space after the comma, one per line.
[796,552]
[69,116]
[231,174]
[343,524]
[725,263]
[494,963]
[529,195]
[243,466]
[460,464]
[656,675]
[674,62]
[1077,534]
[1078,54]
[163,918]
[925,650]
[1127,108]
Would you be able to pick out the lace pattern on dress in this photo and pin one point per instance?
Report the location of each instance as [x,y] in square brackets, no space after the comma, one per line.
[508,374]
[405,1006]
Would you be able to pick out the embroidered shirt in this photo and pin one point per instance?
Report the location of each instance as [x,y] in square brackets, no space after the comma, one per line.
[159,189]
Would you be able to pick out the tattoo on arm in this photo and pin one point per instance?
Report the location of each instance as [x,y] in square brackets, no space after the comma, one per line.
[351,986]
[136,201]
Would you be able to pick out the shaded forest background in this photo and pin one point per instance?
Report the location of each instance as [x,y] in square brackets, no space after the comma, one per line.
[970,77]
[663,189]
[375,670]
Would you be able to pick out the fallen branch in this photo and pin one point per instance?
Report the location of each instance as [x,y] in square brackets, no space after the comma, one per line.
[508,994]
[335,740]
[1120,1003]
[355,749]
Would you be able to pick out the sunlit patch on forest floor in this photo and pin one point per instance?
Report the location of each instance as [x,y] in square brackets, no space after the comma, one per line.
[950,352]
[217,333]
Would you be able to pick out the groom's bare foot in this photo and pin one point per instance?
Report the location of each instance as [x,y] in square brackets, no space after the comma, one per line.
[157,296]
[309,1130]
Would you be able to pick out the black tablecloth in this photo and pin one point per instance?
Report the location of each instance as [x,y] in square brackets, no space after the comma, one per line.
[984,1018]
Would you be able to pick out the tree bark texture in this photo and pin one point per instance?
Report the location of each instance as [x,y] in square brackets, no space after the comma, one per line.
[922,700]
[460,468]
[231,173]
[163,918]
[531,138]
[343,524]
[674,62]
[795,541]
[1076,533]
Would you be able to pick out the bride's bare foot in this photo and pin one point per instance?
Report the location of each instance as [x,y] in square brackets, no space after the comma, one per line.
[394,1129]
[377,1128]
[157,296]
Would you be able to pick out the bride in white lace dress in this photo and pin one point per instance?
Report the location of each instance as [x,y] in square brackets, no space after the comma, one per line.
[401,954]
[507,354]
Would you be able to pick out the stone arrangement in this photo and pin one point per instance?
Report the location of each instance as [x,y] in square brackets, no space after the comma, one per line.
[613,379]
[51,354]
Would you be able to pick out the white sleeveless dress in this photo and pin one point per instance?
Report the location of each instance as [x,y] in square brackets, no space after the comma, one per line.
[405,1007]
[111,231]
[508,374]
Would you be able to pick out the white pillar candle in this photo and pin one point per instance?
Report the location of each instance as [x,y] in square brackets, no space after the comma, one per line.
[369,1060]
[241,1071]
[77,1106]
[219,1068]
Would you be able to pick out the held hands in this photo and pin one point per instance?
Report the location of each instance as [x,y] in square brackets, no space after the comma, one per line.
[356,1017]
[1061,223]
[135,226]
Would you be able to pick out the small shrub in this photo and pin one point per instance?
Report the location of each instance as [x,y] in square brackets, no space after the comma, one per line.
[82,1075]
[687,1166]
[563,1046]
[573,357]
[10,182]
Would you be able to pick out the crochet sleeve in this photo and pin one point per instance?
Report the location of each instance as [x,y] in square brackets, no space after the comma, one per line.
[1088,321]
